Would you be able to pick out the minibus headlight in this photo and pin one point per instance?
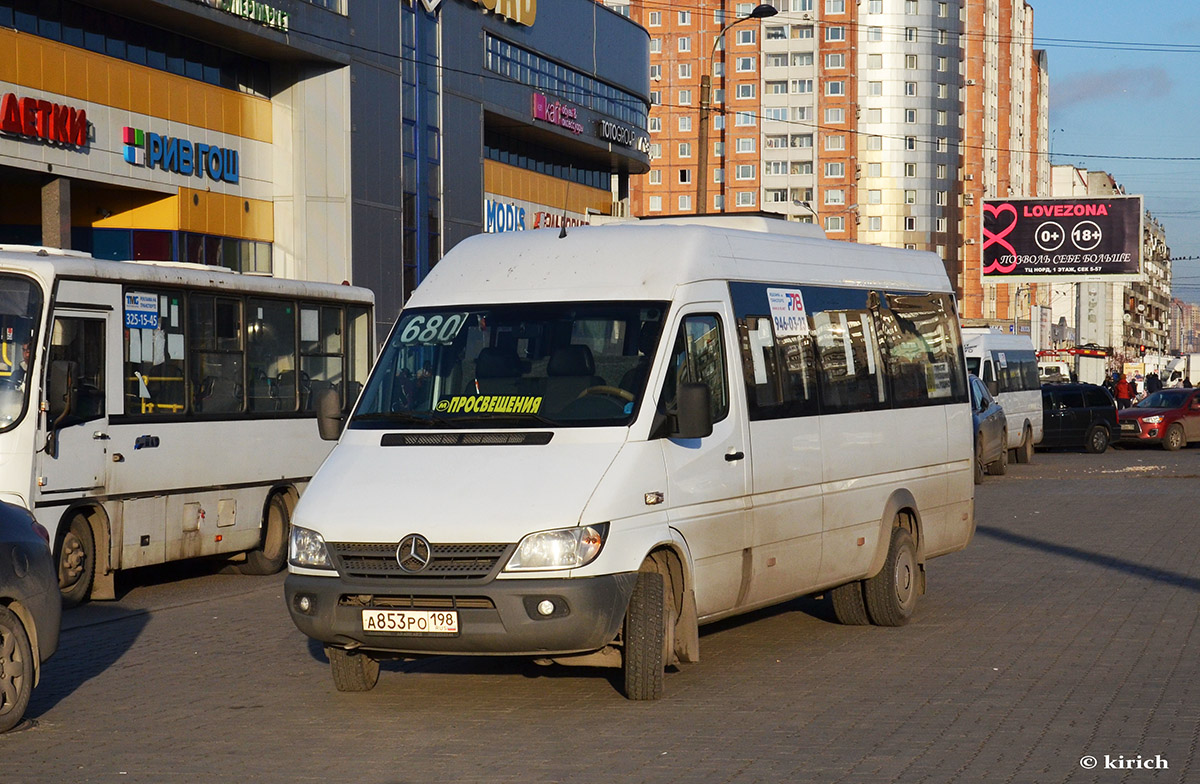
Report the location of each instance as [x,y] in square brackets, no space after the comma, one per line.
[566,548]
[307,549]
[1152,420]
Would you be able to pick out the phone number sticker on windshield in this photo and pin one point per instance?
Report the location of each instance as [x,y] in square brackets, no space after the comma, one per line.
[434,329]
[490,404]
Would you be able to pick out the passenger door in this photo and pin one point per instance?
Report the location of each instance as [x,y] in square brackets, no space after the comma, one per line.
[78,462]
[708,478]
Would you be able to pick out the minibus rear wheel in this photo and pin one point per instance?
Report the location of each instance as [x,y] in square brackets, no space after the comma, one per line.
[849,606]
[892,594]
[643,660]
[352,670]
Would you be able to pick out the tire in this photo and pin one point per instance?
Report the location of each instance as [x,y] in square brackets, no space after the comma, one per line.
[352,671]
[979,461]
[892,594]
[76,561]
[271,555]
[1024,452]
[1174,440]
[643,661]
[16,670]
[1097,440]
[999,466]
[849,606]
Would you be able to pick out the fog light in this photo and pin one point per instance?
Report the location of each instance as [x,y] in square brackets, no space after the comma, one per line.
[545,607]
[305,603]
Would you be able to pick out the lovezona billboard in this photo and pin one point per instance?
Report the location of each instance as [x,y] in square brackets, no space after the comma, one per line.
[1068,238]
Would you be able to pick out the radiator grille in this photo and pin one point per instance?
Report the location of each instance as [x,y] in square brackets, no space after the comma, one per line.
[377,602]
[446,562]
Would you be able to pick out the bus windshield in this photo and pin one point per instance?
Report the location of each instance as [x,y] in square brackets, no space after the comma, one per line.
[20,307]
[555,364]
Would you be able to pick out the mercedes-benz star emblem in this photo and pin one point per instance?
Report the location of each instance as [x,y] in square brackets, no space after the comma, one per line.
[413,553]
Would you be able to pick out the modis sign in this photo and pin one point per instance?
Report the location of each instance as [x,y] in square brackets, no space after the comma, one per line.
[41,119]
[1063,239]
[180,156]
[522,12]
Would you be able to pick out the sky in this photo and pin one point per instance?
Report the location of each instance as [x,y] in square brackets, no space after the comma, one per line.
[1125,83]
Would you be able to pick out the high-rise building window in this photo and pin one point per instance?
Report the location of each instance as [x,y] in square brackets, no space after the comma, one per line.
[835,196]
[718,202]
[835,6]
[910,34]
[777,88]
[655,204]
[775,142]
[836,142]
[910,116]
[655,19]
[910,170]
[802,31]
[835,115]
[685,98]
[910,6]
[745,171]
[910,223]
[745,118]
[910,142]
[940,198]
[874,115]
[685,123]
[685,203]
[875,7]
[875,197]
[835,60]
[941,63]
[747,90]
[776,33]
[941,224]
[874,170]
[835,33]
[910,62]
[776,60]
[835,87]
[685,70]
[875,89]
[941,171]
[655,124]
[874,33]
[718,176]
[685,43]
[874,142]
[910,89]
[802,167]
[835,169]
[656,176]
[835,223]
[685,176]
[801,59]
[655,45]
[747,37]
[746,144]
[776,195]
[941,117]
[942,10]
[685,18]
[874,223]
[685,150]
[655,97]
[910,197]
[874,61]
[746,64]
[747,198]
[778,113]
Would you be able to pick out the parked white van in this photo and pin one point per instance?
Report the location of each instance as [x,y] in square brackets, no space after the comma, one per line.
[1008,367]
[579,449]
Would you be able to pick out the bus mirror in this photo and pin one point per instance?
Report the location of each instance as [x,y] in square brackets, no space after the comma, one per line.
[693,418]
[329,414]
[61,392]
[993,387]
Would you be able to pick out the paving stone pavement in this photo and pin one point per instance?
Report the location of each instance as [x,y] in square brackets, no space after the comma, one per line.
[1068,629]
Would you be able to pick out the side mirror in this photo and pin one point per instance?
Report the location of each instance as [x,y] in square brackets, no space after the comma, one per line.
[329,414]
[993,387]
[693,416]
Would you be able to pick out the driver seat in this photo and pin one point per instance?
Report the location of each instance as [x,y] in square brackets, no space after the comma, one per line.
[571,370]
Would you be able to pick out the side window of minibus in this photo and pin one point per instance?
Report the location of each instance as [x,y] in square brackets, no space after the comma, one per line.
[698,356]
[81,341]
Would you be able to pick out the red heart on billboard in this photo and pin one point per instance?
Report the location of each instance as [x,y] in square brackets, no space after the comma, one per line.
[997,237]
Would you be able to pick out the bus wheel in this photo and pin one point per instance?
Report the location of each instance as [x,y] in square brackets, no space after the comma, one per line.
[849,606]
[271,555]
[352,671]
[16,669]
[892,594]
[643,660]
[1025,450]
[76,561]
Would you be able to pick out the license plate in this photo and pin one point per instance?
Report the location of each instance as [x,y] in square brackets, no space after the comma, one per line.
[1128,427]
[410,621]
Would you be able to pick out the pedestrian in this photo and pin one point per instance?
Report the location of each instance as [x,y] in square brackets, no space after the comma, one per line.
[1153,383]
[1124,391]
[1110,383]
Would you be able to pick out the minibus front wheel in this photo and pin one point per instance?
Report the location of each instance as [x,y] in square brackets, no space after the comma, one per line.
[644,638]
[352,670]
[76,557]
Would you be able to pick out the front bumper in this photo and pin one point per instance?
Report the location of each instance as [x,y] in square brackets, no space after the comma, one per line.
[495,617]
[1140,431]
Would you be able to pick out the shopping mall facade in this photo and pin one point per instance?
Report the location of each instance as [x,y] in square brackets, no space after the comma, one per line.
[323,140]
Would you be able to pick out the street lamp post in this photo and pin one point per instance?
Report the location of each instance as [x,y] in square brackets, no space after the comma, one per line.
[760,12]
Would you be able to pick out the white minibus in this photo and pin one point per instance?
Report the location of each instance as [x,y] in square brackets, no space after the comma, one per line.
[1008,367]
[152,412]
[580,448]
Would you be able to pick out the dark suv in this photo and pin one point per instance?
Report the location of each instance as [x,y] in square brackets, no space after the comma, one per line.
[1078,416]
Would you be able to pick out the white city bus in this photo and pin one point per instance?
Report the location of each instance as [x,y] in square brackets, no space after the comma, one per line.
[580,449]
[1007,365]
[151,412]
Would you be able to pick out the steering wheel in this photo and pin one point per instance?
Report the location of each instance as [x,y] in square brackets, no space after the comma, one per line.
[604,389]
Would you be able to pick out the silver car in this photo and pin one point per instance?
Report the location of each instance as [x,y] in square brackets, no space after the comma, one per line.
[991,431]
[30,610]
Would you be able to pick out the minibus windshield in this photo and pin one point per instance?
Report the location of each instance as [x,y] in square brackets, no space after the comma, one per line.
[20,306]
[524,365]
